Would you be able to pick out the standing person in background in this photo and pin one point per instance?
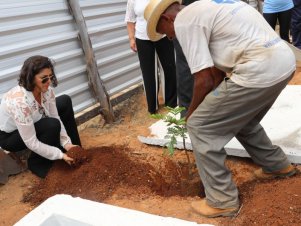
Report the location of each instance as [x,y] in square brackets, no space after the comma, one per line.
[184,76]
[253,3]
[139,42]
[31,117]
[296,24]
[281,10]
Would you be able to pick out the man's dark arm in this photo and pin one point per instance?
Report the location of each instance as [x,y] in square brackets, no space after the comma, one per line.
[204,82]
[218,76]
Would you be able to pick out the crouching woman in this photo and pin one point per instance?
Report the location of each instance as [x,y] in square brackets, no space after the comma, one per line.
[32,117]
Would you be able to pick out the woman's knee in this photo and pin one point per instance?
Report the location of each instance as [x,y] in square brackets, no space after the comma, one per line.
[65,99]
[48,126]
[63,102]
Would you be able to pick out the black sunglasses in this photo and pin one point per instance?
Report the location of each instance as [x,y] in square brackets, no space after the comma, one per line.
[46,79]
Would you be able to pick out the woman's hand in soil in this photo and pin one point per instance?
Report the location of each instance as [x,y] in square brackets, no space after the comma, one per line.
[68,160]
[67,147]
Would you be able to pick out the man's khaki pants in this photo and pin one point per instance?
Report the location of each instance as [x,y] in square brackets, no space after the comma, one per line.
[232,111]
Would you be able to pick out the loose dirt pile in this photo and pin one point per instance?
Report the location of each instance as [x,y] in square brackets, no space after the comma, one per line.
[276,202]
[114,174]
[121,171]
[115,171]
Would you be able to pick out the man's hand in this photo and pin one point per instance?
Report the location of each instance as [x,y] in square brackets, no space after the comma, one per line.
[218,76]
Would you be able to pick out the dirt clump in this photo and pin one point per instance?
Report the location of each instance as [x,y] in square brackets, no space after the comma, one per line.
[79,156]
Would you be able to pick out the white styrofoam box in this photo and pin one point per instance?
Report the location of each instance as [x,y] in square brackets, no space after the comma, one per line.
[64,210]
[282,124]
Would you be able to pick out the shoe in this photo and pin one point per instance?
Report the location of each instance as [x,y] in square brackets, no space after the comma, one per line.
[202,208]
[285,172]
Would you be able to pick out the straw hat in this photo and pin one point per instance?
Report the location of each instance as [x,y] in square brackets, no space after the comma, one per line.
[152,14]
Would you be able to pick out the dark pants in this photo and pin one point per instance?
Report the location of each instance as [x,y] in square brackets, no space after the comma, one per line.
[48,132]
[146,53]
[185,79]
[296,25]
[284,19]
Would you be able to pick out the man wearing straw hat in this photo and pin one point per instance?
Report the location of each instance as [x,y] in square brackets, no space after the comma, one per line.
[219,37]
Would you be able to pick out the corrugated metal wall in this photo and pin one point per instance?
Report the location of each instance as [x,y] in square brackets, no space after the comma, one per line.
[118,65]
[31,27]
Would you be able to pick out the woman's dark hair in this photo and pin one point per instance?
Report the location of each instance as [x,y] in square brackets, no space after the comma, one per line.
[31,67]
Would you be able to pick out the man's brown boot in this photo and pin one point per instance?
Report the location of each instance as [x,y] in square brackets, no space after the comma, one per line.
[202,208]
[285,172]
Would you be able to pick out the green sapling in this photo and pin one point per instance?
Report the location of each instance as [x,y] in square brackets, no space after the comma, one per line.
[175,128]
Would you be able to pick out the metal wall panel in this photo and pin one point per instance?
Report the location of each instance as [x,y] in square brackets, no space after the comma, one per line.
[118,66]
[35,27]
[43,28]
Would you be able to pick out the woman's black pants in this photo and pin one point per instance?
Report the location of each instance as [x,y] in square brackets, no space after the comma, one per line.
[296,25]
[284,19]
[146,53]
[48,132]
